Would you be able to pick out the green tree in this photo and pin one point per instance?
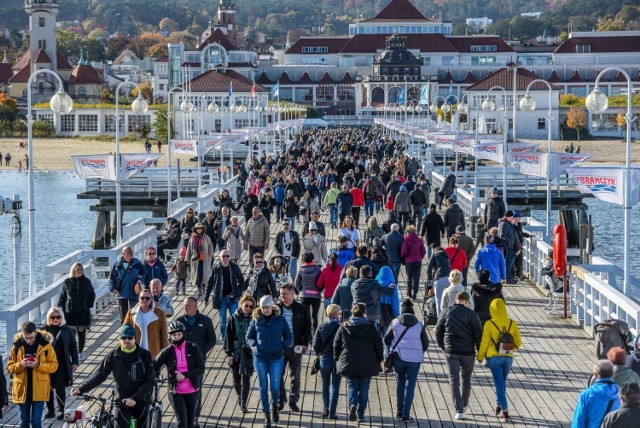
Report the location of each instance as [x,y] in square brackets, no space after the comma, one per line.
[69,43]
[159,125]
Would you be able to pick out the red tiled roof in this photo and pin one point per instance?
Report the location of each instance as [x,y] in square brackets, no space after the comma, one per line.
[504,78]
[217,36]
[42,58]
[601,44]
[240,64]
[333,44]
[399,10]
[285,79]
[163,58]
[619,77]
[448,78]
[372,43]
[595,75]
[326,80]
[263,79]
[63,64]
[463,44]
[305,79]
[213,81]
[21,76]
[83,75]
[23,61]
[575,77]
[347,80]
[554,78]
[6,72]
[470,78]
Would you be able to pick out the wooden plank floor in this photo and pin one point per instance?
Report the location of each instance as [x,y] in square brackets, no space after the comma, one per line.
[548,374]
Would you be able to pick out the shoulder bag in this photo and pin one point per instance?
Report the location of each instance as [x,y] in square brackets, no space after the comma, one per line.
[388,363]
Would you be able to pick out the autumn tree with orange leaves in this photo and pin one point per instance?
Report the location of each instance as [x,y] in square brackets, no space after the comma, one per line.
[577,119]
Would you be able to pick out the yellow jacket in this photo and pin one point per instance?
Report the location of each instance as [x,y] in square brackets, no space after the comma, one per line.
[491,334]
[47,364]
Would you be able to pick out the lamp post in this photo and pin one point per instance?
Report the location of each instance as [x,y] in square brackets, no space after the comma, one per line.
[463,108]
[139,106]
[169,146]
[61,103]
[597,103]
[490,105]
[527,104]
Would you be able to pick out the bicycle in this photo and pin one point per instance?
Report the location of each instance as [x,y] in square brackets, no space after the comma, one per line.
[155,412]
[103,418]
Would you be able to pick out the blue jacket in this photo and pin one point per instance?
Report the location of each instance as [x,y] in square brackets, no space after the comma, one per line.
[279,193]
[158,270]
[385,278]
[268,339]
[124,280]
[345,202]
[491,259]
[345,255]
[593,403]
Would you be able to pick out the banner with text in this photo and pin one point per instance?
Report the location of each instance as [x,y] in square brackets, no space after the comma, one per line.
[95,166]
[132,164]
[493,151]
[606,184]
[538,163]
[189,147]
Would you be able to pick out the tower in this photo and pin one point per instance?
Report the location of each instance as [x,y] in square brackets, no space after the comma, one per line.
[226,19]
[42,29]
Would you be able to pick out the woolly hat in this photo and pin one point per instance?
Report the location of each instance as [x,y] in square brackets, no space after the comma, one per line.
[127,331]
[407,307]
[266,301]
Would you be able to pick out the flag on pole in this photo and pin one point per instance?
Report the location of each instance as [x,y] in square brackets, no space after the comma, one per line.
[132,164]
[424,94]
[95,166]
[276,90]
[606,184]
[230,89]
[401,97]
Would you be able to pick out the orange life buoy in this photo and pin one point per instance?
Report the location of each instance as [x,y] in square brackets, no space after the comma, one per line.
[560,250]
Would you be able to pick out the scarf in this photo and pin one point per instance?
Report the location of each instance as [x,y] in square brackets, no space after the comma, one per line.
[197,243]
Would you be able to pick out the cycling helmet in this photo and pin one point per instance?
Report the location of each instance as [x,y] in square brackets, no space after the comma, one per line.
[175,326]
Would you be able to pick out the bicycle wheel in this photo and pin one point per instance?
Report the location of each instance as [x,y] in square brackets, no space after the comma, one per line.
[155,419]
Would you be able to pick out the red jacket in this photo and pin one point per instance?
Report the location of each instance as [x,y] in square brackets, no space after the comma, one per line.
[329,280]
[358,197]
[460,260]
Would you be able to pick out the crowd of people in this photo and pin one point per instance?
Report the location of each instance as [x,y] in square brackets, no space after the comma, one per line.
[339,297]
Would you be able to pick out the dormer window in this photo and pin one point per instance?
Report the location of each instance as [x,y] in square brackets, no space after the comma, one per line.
[583,48]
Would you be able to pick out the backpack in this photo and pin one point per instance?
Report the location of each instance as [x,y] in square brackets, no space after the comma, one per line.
[609,334]
[371,190]
[505,344]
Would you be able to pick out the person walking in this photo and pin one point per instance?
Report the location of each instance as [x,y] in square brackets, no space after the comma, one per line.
[200,253]
[458,332]
[409,339]
[133,373]
[315,243]
[432,229]
[498,358]
[185,369]
[227,284]
[344,201]
[358,351]
[77,297]
[599,399]
[507,232]
[343,296]
[66,349]
[330,201]
[234,238]
[393,242]
[260,281]
[367,290]
[267,336]
[466,244]
[449,294]
[306,283]
[198,328]
[438,271]
[490,258]
[329,279]
[239,357]
[149,322]
[629,412]
[125,274]
[256,233]
[453,217]
[153,268]
[323,347]
[32,359]
[412,253]
[161,300]
[287,244]
[483,293]
[494,210]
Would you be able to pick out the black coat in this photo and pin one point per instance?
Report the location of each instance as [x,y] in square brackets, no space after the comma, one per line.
[323,339]
[483,295]
[201,333]
[295,243]
[626,416]
[459,331]
[493,212]
[453,216]
[70,348]
[265,285]
[76,300]
[358,349]
[439,265]
[195,365]
[216,283]
[432,229]
[301,323]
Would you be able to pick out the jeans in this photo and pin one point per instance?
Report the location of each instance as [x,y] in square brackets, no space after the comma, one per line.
[330,384]
[31,414]
[294,361]
[417,217]
[279,214]
[333,214]
[292,220]
[460,366]
[465,272]
[227,303]
[124,306]
[509,259]
[326,302]
[500,368]
[395,268]
[413,277]
[184,406]
[269,372]
[241,382]
[406,375]
[293,268]
[369,205]
[358,393]
[254,250]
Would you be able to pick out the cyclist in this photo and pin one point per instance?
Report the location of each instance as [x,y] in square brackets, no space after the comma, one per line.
[133,373]
[185,368]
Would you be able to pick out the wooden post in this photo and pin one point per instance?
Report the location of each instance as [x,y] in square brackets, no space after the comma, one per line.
[107,229]
[98,232]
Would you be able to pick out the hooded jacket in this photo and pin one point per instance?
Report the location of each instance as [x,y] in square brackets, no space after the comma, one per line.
[491,259]
[357,349]
[483,295]
[453,216]
[268,337]
[392,218]
[593,402]
[491,333]
[343,297]
[195,365]
[439,265]
[413,250]
[415,341]
[432,229]
[386,278]
[368,291]
[306,281]
[323,339]
[41,380]
[494,211]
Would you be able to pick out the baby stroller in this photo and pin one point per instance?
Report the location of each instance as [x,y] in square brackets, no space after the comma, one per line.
[280,278]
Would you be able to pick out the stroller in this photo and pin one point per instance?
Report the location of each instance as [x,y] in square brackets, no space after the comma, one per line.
[280,278]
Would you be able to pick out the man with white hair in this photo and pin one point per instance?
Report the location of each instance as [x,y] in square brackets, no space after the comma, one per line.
[595,402]
[160,300]
[393,245]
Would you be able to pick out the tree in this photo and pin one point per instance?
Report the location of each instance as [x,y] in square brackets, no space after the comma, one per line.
[116,45]
[159,125]
[141,44]
[577,119]
[8,108]
[168,24]
[98,34]
[571,100]
[69,43]
[147,91]
[621,121]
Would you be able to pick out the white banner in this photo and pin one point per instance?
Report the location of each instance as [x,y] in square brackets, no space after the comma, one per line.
[561,161]
[189,147]
[493,150]
[522,147]
[95,166]
[604,183]
[529,163]
[132,164]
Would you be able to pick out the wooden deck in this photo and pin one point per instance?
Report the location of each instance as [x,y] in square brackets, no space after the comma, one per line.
[548,373]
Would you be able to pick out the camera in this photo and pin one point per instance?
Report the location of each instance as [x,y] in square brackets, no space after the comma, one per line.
[288,246]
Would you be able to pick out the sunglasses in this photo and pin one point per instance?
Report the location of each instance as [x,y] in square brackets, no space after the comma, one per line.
[145,298]
[55,317]
[225,256]
[248,306]
[259,262]
[127,338]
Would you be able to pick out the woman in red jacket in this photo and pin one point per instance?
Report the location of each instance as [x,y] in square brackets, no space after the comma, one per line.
[358,202]
[457,256]
[329,278]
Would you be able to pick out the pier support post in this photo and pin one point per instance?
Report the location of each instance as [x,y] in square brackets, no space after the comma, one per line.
[98,232]
[107,229]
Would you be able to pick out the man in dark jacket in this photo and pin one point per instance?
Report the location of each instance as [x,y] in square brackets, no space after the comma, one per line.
[362,259]
[393,245]
[392,218]
[507,232]
[458,333]
[466,244]
[629,412]
[299,320]
[125,274]
[315,217]
[494,210]
[198,327]
[288,245]
[133,373]
[453,217]
[418,199]
[227,283]
[219,226]
[344,201]
[367,290]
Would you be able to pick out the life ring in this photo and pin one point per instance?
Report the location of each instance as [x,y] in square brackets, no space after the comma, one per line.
[560,250]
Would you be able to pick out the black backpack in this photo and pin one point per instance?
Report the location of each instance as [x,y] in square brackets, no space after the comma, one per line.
[609,334]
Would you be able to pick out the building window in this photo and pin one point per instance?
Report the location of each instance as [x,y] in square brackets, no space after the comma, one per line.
[46,117]
[447,60]
[542,124]
[241,123]
[426,61]
[324,93]
[110,123]
[346,95]
[68,123]
[42,44]
[82,91]
[377,96]
[483,60]
[87,123]
[484,48]
[583,48]
[136,122]
[41,22]
[315,49]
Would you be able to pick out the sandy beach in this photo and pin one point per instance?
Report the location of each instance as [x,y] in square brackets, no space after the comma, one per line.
[55,153]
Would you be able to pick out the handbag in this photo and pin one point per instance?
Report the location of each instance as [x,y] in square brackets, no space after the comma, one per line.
[388,363]
[315,366]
